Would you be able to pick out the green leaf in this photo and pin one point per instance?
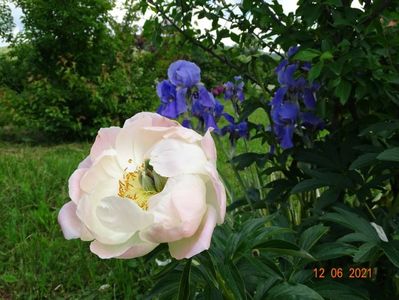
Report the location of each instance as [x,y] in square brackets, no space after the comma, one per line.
[244,160]
[328,251]
[311,236]
[283,248]
[306,54]
[343,91]
[353,221]
[326,56]
[331,289]
[184,287]
[366,252]
[327,198]
[231,281]
[363,160]
[244,58]
[315,71]
[308,185]
[288,291]
[391,250]
[265,266]
[391,154]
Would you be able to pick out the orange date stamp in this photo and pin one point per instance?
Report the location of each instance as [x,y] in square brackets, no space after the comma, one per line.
[337,273]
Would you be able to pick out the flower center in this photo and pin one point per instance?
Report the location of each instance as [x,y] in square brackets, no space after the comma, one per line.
[141,184]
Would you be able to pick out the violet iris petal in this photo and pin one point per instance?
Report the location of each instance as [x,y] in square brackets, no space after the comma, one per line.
[288,112]
[311,120]
[286,76]
[184,73]
[205,98]
[292,51]
[228,90]
[308,99]
[279,96]
[166,91]
[286,140]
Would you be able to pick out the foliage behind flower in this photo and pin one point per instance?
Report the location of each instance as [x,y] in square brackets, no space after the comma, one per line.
[149,182]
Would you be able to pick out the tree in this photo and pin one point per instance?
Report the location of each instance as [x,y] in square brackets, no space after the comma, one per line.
[6,20]
[74,30]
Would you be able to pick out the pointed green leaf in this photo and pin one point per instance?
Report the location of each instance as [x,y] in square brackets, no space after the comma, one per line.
[391,154]
[184,287]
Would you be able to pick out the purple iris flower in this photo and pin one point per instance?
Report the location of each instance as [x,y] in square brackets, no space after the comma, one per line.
[228,90]
[285,135]
[284,119]
[286,75]
[306,66]
[286,113]
[309,99]
[235,130]
[279,96]
[236,89]
[209,115]
[184,73]
[173,103]
[286,103]
[292,51]
[312,121]
[205,98]
[281,65]
[187,123]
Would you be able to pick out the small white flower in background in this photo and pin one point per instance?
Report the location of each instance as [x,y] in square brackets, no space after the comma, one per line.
[380,232]
[104,287]
[163,263]
[150,182]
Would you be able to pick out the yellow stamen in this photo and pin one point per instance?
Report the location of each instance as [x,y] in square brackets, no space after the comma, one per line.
[130,187]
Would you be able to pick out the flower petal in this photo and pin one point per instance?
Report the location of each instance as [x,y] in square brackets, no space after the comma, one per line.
[208,145]
[216,193]
[148,119]
[105,140]
[69,221]
[200,241]
[105,170]
[173,157]
[131,249]
[122,215]
[178,209]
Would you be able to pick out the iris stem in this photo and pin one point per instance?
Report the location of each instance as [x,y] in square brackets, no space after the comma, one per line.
[236,173]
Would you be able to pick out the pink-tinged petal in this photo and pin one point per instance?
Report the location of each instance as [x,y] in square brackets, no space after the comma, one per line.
[178,209]
[208,145]
[145,119]
[69,221]
[122,215]
[105,170]
[75,192]
[138,250]
[105,140]
[217,196]
[183,133]
[199,242]
[86,163]
[173,157]
[134,142]
[131,249]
